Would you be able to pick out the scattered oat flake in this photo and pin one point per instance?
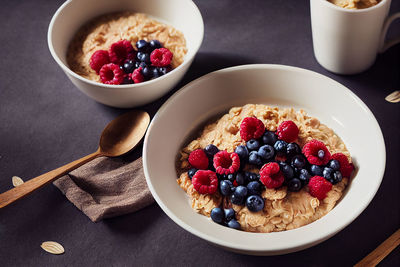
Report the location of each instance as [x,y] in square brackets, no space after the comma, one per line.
[393,97]
[52,247]
[16,181]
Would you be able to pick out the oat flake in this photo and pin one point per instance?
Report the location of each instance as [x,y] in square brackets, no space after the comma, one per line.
[16,181]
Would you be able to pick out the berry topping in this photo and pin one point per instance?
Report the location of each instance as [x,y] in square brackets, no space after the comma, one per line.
[269,138]
[205,182]
[287,170]
[198,159]
[266,152]
[316,152]
[271,176]
[327,173]
[143,57]
[229,214]
[318,187]
[334,165]
[251,128]
[98,60]
[192,172]
[346,168]
[217,215]
[211,150]
[161,57]
[294,185]
[337,177]
[240,178]
[111,74]
[254,158]
[142,45]
[137,76]
[287,131]
[225,186]
[280,147]
[298,161]
[119,51]
[128,66]
[226,163]
[254,188]
[254,203]
[316,170]
[253,145]
[242,152]
[305,176]
[234,224]
[292,149]
[154,44]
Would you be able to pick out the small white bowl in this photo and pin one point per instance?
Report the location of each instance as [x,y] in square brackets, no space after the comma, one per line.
[276,85]
[181,14]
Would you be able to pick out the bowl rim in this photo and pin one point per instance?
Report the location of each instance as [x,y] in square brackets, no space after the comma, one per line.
[297,244]
[66,69]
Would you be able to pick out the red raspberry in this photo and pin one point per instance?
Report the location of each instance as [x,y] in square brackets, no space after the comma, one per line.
[119,51]
[137,76]
[287,131]
[205,182]
[271,175]
[318,187]
[226,163]
[98,60]
[346,168]
[316,152]
[198,159]
[161,57]
[111,74]
[251,128]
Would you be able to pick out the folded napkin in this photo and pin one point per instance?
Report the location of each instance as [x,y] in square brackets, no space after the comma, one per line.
[106,187]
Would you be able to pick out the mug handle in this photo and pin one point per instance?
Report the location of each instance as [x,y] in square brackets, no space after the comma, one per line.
[383,46]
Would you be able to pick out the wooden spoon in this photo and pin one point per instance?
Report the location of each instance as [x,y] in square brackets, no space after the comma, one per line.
[119,137]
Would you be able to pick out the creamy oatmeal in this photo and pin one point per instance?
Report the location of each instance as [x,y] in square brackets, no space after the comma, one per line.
[101,32]
[283,209]
[355,4]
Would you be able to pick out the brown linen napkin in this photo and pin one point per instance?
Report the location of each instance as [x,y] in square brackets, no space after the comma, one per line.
[106,187]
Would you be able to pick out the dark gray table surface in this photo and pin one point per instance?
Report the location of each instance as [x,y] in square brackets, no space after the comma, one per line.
[46,122]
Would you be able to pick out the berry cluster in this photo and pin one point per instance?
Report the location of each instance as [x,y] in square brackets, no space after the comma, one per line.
[281,162]
[122,64]
[225,217]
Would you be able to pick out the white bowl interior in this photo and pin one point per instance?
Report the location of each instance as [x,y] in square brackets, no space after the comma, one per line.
[283,86]
[181,14]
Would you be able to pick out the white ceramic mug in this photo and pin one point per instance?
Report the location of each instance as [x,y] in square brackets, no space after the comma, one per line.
[346,41]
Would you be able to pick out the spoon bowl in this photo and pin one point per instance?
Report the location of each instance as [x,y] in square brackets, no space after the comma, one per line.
[120,136]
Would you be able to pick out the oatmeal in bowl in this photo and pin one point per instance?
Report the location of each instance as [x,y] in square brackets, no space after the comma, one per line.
[125,53]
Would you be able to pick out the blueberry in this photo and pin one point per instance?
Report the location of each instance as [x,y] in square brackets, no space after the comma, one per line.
[142,46]
[231,177]
[147,72]
[280,147]
[269,138]
[294,185]
[287,170]
[143,57]
[298,161]
[254,158]
[240,191]
[304,176]
[234,224]
[240,178]
[266,152]
[229,214]
[254,188]
[321,154]
[192,172]
[237,200]
[163,70]
[217,215]
[292,149]
[139,64]
[225,186]
[316,170]
[334,165]
[242,152]
[254,203]
[211,150]
[253,176]
[253,144]
[327,173]
[337,177]
[155,74]
[128,66]
[154,44]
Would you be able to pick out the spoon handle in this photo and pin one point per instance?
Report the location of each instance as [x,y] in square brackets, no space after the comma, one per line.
[28,187]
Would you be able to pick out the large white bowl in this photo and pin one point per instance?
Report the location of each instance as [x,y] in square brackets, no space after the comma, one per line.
[283,86]
[181,14]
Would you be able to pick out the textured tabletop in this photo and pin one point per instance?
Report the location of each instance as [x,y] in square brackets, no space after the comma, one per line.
[46,122]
